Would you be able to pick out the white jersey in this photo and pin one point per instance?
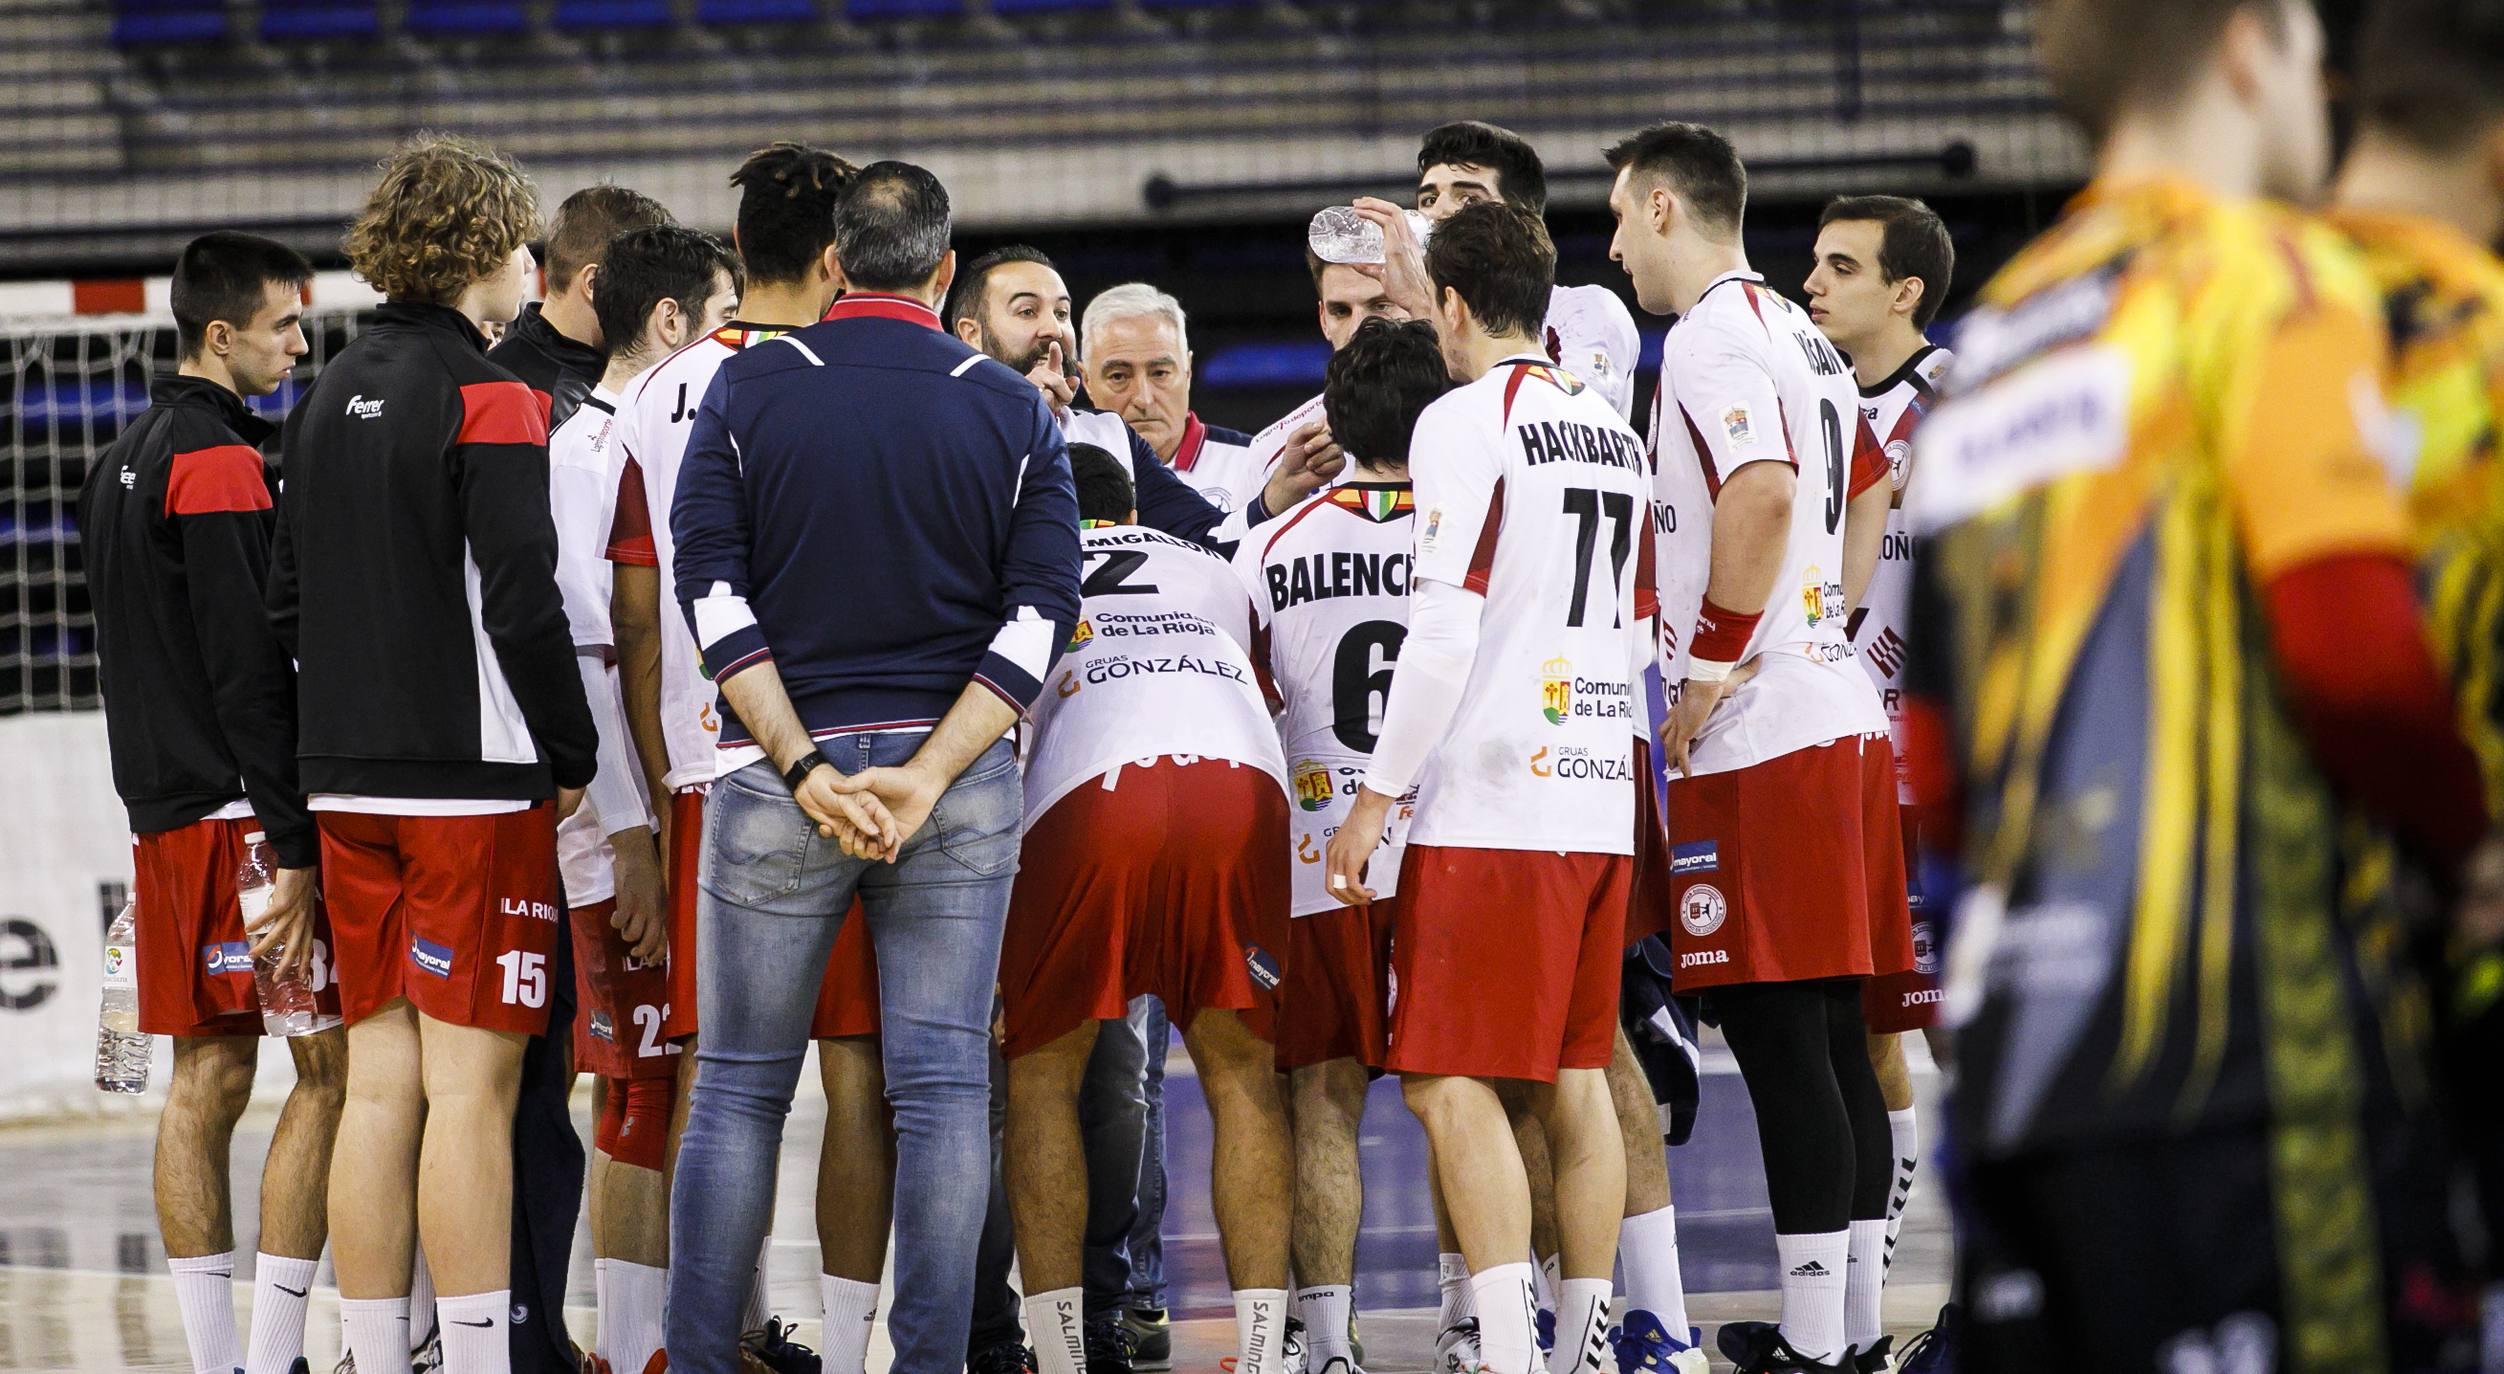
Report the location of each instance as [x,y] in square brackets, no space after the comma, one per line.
[1218,464]
[1329,584]
[1157,667]
[1113,434]
[1533,492]
[1893,408]
[1746,376]
[582,499]
[659,414]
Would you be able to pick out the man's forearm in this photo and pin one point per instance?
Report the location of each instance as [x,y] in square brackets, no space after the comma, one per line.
[1751,525]
[757,695]
[635,622]
[979,717]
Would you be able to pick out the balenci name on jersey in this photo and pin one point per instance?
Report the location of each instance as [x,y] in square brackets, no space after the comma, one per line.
[1564,441]
[1341,572]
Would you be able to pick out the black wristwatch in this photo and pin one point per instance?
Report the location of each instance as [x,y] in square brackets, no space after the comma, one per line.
[800,768]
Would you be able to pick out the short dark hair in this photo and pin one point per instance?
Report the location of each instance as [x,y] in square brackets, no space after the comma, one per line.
[1701,167]
[1913,242]
[1519,175]
[1104,487]
[585,223]
[1379,384]
[2430,73]
[644,267]
[965,299]
[787,195]
[225,276]
[1498,257]
[892,227]
[2107,56]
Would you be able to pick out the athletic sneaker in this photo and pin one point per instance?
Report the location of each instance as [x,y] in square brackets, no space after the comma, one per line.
[1291,1348]
[1151,1337]
[1545,1331]
[770,1350]
[346,1365]
[1644,1344]
[1356,1343]
[1876,1359]
[1340,1364]
[1761,1348]
[426,1357]
[1008,1357]
[1934,1350]
[1110,1347]
[1456,1347]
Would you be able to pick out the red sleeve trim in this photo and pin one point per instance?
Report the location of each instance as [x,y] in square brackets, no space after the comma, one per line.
[1482,558]
[630,530]
[1869,458]
[501,413]
[1647,577]
[205,481]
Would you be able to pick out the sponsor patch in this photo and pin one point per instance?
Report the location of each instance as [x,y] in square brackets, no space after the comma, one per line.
[1314,786]
[1700,958]
[602,1028]
[1703,909]
[1263,966]
[1079,637]
[1556,690]
[1701,856]
[229,956]
[430,957]
[1739,425]
[1925,950]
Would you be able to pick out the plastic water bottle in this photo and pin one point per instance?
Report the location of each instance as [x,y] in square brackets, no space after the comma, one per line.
[286,1001]
[1339,234]
[121,1051]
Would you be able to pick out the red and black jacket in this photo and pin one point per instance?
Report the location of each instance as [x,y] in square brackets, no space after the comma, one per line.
[175,522]
[561,371]
[414,577]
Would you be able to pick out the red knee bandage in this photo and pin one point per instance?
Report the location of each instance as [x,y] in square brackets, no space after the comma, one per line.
[634,1121]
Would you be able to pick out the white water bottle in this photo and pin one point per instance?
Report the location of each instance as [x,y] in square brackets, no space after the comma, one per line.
[286,1000]
[121,1051]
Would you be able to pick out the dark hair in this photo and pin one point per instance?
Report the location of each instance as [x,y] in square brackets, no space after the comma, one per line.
[225,276]
[588,220]
[1701,167]
[1379,384]
[645,267]
[1913,243]
[1519,176]
[1498,257]
[892,227]
[787,195]
[965,299]
[1104,487]
[2431,72]
[2105,56]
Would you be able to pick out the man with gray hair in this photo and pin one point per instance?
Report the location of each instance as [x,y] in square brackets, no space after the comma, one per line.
[1135,351]
[842,736]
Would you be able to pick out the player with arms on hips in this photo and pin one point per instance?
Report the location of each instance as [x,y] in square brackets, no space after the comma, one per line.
[661,288]
[1329,588]
[1882,269]
[1156,864]
[784,231]
[1519,674]
[1787,855]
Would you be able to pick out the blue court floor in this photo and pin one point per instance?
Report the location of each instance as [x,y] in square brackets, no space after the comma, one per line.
[83,1286]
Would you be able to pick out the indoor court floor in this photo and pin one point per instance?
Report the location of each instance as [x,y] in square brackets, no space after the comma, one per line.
[83,1285]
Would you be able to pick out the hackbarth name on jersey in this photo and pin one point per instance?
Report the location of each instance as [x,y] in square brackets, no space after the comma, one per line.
[1563,441]
[1339,572]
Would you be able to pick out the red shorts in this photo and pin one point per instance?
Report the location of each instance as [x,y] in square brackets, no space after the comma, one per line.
[1505,963]
[1338,1002]
[847,997]
[1649,912]
[617,1029]
[1893,1003]
[1790,870]
[685,862]
[1175,884]
[457,914]
[195,959]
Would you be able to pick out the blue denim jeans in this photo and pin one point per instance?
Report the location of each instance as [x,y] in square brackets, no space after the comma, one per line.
[1147,1247]
[772,896]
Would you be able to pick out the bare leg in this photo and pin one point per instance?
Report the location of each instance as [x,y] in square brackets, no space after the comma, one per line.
[1639,1127]
[1252,1178]
[1330,1191]
[1895,1078]
[295,1179]
[1589,1157]
[1045,1164]
[211,1086]
[373,1167]
[1478,1165]
[856,1168]
[465,1168]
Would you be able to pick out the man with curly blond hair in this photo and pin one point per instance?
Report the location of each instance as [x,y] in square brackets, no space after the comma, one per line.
[444,732]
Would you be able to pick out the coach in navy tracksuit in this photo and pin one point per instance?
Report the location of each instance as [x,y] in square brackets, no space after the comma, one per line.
[878,549]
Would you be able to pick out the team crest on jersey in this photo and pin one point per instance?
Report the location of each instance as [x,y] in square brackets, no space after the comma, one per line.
[1703,909]
[1556,377]
[1079,638]
[1925,950]
[1556,690]
[1737,424]
[1374,503]
[740,336]
[1820,599]
[1314,787]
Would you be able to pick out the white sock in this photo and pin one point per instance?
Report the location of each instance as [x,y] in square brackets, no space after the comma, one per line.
[377,1333]
[476,1338]
[279,1286]
[1906,1133]
[1812,1268]
[635,1292]
[1508,1341]
[1056,1322]
[1581,1328]
[1324,1312]
[1460,1302]
[1261,1331]
[758,1310]
[851,1308]
[1544,1283]
[1647,1246]
[1863,1281]
[204,1287]
[604,1310]
[423,1318]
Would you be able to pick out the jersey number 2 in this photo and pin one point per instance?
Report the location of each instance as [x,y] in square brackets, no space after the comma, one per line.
[1588,507]
[1112,576]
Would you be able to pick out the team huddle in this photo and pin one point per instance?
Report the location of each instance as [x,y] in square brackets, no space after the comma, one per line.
[763,645]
